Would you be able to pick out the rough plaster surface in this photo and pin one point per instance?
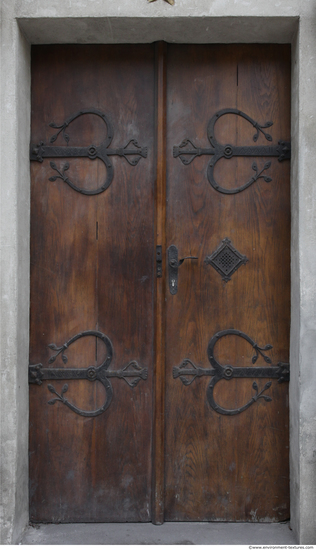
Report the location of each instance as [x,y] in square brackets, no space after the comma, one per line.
[14,282]
[174,29]
[168,533]
[81,21]
[294,390]
[307,259]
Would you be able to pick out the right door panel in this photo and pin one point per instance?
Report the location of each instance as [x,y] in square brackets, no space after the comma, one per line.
[228,466]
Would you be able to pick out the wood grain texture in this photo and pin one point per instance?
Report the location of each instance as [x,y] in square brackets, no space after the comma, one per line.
[227,468]
[92,269]
[160,321]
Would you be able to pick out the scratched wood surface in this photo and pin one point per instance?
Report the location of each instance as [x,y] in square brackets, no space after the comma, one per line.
[229,468]
[92,268]
[160,287]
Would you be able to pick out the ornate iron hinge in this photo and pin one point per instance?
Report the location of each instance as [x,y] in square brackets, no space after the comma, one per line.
[187,151]
[132,152]
[227,372]
[131,373]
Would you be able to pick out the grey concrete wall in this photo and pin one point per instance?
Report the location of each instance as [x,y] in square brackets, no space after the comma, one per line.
[105,21]
[14,282]
[306,375]
[294,390]
[174,29]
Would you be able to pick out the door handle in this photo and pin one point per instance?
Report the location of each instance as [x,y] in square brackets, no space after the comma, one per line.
[173,265]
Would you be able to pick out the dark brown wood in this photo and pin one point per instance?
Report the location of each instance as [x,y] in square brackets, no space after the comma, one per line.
[227,468]
[159,452]
[160,229]
[93,269]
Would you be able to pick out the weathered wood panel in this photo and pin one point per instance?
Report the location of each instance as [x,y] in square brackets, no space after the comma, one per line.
[229,468]
[92,269]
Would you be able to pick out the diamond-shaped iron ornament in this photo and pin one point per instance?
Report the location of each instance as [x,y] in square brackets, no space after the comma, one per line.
[226,259]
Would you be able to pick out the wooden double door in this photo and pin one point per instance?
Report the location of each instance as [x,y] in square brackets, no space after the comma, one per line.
[158,384]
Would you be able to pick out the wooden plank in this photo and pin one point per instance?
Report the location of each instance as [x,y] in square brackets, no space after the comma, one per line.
[160,240]
[63,293]
[227,468]
[93,269]
[125,291]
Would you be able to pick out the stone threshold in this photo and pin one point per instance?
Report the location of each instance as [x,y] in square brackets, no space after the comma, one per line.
[168,533]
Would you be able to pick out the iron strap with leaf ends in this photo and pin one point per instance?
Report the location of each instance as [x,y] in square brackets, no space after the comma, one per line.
[188,372]
[132,152]
[187,151]
[131,373]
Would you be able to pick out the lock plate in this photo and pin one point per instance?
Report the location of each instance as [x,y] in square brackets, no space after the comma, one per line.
[173,269]
[159,261]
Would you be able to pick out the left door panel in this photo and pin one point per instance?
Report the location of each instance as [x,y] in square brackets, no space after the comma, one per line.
[92,276]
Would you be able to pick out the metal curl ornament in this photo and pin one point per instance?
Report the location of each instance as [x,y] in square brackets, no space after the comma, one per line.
[131,373]
[132,152]
[187,151]
[188,372]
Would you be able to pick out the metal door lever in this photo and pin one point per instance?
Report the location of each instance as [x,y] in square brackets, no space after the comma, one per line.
[173,266]
[174,263]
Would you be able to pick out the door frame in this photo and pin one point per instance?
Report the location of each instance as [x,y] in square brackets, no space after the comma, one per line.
[22,31]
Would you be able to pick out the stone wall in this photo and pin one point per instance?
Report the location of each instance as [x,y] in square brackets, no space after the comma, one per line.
[25,22]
